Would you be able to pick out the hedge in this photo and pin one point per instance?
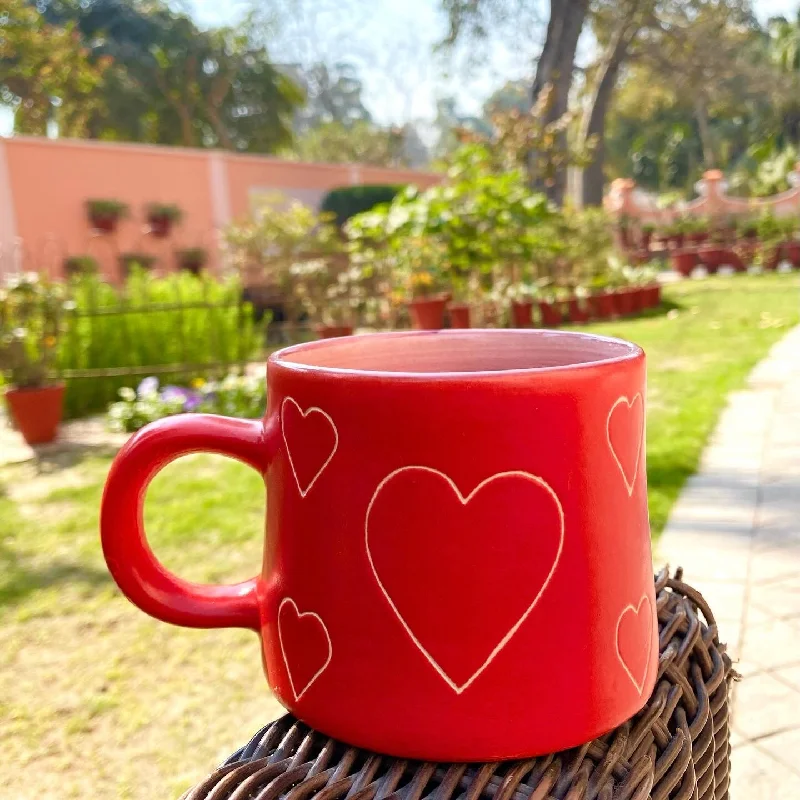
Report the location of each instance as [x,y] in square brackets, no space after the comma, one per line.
[347,201]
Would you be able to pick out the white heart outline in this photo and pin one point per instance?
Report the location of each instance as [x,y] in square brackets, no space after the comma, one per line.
[459,688]
[636,610]
[300,615]
[624,399]
[304,414]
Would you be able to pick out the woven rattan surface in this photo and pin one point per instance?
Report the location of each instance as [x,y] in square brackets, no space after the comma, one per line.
[676,747]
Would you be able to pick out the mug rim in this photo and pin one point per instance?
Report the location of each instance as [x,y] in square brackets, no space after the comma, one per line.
[632,352]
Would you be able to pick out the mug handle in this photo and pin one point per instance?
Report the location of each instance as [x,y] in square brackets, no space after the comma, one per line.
[130,560]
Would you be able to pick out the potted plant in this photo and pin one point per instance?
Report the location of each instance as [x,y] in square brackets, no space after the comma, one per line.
[712,253]
[648,229]
[30,315]
[76,266]
[104,215]
[192,259]
[696,229]
[747,228]
[161,217]
[601,298]
[790,250]
[133,260]
[770,236]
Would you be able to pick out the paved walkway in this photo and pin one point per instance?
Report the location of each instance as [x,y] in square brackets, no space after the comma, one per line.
[77,436]
[736,531]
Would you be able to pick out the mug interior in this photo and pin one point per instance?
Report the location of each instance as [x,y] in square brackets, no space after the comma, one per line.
[461,351]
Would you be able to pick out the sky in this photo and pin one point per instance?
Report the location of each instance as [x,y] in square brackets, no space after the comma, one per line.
[391,43]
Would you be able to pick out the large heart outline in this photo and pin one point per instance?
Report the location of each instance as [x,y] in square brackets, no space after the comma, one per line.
[304,415]
[314,615]
[464,500]
[636,610]
[629,484]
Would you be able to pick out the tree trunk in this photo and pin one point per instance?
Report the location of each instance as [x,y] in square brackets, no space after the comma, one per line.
[593,123]
[706,138]
[555,67]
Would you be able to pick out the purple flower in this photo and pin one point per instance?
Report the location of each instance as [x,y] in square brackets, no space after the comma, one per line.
[148,387]
[191,400]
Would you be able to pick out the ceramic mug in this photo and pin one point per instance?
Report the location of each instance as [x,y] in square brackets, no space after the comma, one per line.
[457,563]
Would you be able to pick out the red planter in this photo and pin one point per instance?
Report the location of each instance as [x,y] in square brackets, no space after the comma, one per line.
[683,261]
[772,259]
[602,305]
[36,412]
[638,297]
[697,238]
[552,314]
[652,296]
[791,250]
[713,256]
[427,313]
[578,312]
[459,315]
[160,227]
[104,223]
[623,302]
[332,331]
[522,313]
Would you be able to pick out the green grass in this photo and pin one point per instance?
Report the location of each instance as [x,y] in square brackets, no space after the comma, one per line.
[98,700]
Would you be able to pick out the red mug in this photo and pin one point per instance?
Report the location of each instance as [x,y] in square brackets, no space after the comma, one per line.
[457,563]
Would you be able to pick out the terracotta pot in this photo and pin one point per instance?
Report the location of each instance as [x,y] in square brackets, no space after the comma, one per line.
[459,315]
[552,314]
[578,312]
[332,331]
[697,238]
[427,313]
[36,412]
[712,256]
[602,305]
[623,302]
[791,251]
[104,223]
[522,313]
[683,261]
[652,296]
[772,258]
[160,227]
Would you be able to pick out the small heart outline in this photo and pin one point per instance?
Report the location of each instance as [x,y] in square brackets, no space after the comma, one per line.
[300,615]
[630,403]
[636,610]
[464,500]
[304,414]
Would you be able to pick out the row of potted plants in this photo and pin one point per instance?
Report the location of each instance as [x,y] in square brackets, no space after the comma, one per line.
[190,259]
[104,216]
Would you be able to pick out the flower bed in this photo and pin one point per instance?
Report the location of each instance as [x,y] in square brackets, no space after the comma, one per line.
[234,396]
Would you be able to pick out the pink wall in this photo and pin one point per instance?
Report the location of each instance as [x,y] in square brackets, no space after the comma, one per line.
[44,184]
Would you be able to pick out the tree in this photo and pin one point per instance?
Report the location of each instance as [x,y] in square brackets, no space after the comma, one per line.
[362,143]
[46,74]
[332,94]
[554,68]
[177,84]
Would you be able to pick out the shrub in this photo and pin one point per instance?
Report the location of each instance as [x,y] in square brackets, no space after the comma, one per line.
[176,327]
[348,201]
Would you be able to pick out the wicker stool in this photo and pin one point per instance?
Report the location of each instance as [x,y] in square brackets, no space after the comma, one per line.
[677,747]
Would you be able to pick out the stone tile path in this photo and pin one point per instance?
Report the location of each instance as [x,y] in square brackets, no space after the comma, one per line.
[79,435]
[736,531]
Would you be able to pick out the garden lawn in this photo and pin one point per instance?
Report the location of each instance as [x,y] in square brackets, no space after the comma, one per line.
[98,700]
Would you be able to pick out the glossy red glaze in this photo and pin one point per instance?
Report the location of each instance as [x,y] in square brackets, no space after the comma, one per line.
[457,561]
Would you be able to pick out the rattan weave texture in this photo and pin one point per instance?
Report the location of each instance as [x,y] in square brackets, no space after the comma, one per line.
[676,748]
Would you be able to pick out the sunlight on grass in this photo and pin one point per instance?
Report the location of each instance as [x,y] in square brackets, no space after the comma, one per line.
[98,700]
